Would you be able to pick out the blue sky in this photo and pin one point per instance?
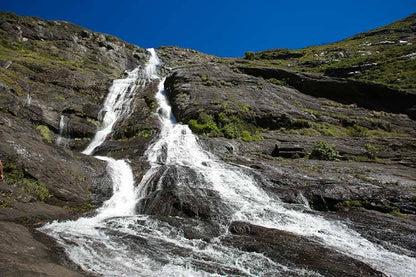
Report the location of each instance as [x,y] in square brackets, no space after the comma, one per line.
[221,27]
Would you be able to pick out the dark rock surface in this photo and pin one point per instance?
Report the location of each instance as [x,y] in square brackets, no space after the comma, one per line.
[367,95]
[24,253]
[215,88]
[290,249]
[174,192]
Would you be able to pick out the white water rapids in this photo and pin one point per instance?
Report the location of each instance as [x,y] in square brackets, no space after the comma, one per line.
[118,242]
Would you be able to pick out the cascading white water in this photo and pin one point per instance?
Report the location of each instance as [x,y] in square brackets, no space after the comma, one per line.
[251,204]
[116,105]
[118,243]
[63,125]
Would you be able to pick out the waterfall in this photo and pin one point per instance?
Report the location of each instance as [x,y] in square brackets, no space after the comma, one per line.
[120,242]
[116,106]
[63,129]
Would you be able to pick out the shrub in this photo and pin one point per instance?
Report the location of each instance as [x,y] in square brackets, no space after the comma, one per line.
[372,151]
[44,132]
[225,125]
[205,125]
[206,81]
[250,55]
[324,151]
[36,188]
[15,176]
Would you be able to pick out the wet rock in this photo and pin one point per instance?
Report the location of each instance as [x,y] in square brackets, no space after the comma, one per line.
[396,233]
[23,255]
[192,228]
[173,191]
[91,110]
[290,249]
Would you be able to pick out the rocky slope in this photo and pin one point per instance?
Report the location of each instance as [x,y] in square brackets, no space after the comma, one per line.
[54,70]
[345,146]
[385,55]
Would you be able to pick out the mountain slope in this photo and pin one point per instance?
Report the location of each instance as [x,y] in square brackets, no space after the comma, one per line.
[386,55]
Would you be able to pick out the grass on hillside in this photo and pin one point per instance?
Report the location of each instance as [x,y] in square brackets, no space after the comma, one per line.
[386,55]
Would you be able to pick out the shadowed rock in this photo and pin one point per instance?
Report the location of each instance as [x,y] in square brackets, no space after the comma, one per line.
[290,249]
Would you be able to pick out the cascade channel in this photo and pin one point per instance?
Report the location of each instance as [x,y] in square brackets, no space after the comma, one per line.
[123,239]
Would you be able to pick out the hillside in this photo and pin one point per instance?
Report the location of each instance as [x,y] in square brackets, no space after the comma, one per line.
[386,55]
[335,145]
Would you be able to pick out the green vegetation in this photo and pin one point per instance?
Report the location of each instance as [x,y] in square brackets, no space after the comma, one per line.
[275,81]
[350,204]
[4,204]
[352,126]
[83,208]
[324,151]
[16,176]
[206,81]
[145,133]
[372,151]
[249,55]
[93,121]
[384,56]
[224,125]
[392,210]
[45,133]
[36,188]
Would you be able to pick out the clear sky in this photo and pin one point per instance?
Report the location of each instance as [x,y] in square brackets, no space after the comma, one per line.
[221,27]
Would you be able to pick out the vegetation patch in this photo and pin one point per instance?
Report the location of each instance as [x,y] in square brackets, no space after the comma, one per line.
[45,133]
[392,210]
[321,128]
[383,56]
[83,208]
[324,151]
[16,177]
[145,133]
[348,204]
[372,151]
[206,81]
[93,121]
[224,125]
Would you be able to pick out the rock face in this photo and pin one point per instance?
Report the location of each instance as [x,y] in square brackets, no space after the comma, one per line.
[289,249]
[52,73]
[174,192]
[367,95]
[24,255]
[214,88]
[63,75]
[362,183]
